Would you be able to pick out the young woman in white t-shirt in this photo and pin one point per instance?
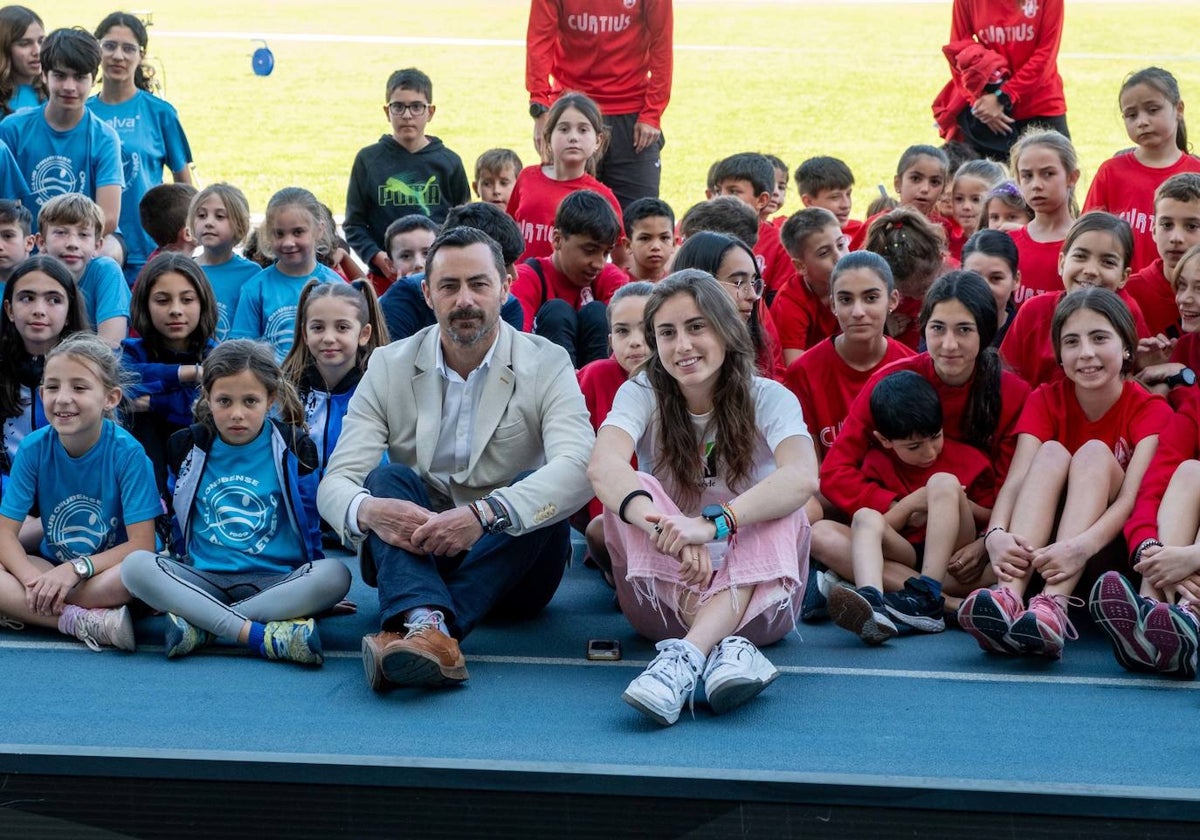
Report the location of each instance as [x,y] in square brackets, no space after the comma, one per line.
[709,541]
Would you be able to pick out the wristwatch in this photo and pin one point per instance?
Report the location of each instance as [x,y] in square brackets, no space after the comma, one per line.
[82,567]
[716,515]
[536,109]
[1187,377]
[501,521]
[1004,99]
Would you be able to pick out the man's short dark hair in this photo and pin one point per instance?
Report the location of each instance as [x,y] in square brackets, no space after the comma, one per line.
[464,237]
[73,50]
[587,213]
[647,208]
[747,166]
[493,221]
[905,405]
[410,78]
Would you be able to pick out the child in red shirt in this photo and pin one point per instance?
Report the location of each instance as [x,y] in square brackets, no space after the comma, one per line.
[968,191]
[915,249]
[828,182]
[801,310]
[575,137]
[1096,252]
[942,491]
[564,296]
[993,256]
[751,177]
[1087,439]
[1047,170]
[1126,183]
[1004,208]
[981,403]
[600,381]
[1176,228]
[779,194]
[1175,378]
[650,239]
[921,177]
[828,377]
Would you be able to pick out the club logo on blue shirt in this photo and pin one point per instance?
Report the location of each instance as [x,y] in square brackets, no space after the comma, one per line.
[222,321]
[77,527]
[281,327]
[53,176]
[236,516]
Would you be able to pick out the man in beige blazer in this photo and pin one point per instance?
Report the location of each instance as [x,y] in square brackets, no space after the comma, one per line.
[488,439]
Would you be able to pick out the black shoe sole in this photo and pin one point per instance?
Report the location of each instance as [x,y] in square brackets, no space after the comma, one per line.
[404,667]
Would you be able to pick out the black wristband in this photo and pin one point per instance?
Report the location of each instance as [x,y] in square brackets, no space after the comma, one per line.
[625,503]
[1142,546]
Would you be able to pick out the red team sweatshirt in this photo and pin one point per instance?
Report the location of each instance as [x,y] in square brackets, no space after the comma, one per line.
[1178,441]
[618,52]
[1154,294]
[1125,187]
[1027,35]
[534,202]
[841,471]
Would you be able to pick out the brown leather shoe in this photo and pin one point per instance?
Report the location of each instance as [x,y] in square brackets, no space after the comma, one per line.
[424,657]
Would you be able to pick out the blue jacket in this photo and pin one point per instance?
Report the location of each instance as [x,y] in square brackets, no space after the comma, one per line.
[325,409]
[159,378]
[295,467]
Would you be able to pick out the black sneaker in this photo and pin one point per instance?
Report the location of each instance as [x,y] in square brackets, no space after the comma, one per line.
[917,606]
[862,612]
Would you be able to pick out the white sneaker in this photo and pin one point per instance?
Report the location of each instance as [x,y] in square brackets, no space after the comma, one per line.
[736,672]
[95,628]
[669,679]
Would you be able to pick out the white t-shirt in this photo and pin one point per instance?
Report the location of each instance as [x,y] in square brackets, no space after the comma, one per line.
[777,416]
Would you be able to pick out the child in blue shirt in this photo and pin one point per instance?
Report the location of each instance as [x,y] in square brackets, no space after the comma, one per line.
[21,34]
[219,220]
[292,232]
[174,315]
[245,505]
[69,230]
[152,138]
[16,237]
[41,307]
[94,490]
[62,147]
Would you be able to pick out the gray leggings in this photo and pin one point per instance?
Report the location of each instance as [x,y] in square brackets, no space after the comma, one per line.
[221,602]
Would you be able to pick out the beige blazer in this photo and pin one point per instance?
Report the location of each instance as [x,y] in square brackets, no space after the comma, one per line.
[531,416]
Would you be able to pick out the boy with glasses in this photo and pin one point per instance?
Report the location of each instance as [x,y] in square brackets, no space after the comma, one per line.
[406,172]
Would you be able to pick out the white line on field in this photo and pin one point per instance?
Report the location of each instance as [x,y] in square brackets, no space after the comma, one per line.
[405,40]
[796,670]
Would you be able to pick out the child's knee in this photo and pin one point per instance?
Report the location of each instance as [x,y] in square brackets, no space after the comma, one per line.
[138,567]
[1188,471]
[943,486]
[1093,457]
[866,519]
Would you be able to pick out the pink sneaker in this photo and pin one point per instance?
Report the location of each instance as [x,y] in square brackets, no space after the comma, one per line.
[988,615]
[1044,628]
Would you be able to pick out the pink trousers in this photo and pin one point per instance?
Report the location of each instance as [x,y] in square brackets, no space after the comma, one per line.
[768,565]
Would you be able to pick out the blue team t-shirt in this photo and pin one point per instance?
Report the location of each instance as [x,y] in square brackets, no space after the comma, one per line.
[266,310]
[23,97]
[227,281]
[105,292]
[52,162]
[12,182]
[152,139]
[239,521]
[85,502]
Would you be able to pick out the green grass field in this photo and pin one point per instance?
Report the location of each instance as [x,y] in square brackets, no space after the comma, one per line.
[794,78]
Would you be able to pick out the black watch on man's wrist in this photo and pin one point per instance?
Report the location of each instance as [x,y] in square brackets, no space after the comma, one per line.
[536,109]
[1186,377]
[501,521]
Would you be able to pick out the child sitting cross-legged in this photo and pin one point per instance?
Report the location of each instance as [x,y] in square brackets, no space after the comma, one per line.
[943,493]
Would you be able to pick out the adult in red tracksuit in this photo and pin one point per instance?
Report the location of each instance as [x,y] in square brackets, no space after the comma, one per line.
[620,53]
[1027,34]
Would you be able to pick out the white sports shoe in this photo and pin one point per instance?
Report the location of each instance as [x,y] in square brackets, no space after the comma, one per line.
[735,673]
[669,680]
[113,627]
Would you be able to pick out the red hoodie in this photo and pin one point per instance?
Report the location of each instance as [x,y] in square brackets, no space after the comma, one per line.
[618,52]
[1178,442]
[1027,34]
